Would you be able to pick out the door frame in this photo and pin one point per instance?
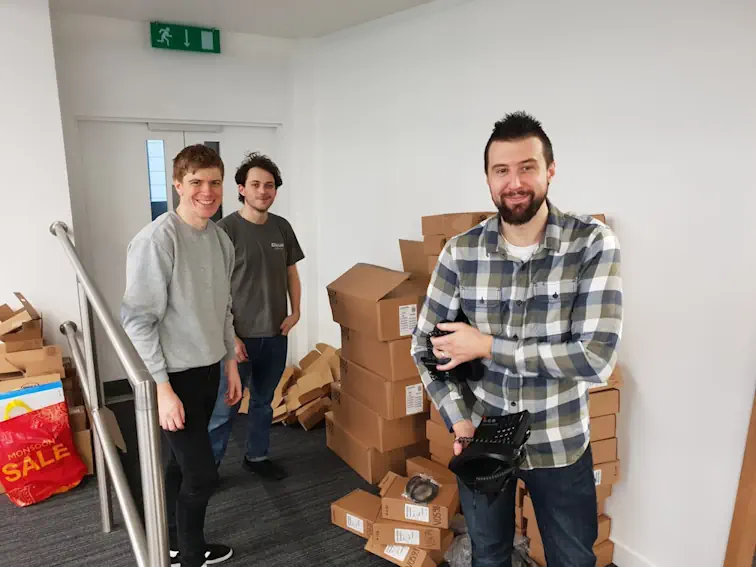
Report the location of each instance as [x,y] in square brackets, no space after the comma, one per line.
[742,542]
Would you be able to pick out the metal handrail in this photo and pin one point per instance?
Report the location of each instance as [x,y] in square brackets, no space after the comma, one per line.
[150,545]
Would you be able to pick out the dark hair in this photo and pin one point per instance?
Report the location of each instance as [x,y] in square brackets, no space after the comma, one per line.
[192,158]
[518,126]
[256,159]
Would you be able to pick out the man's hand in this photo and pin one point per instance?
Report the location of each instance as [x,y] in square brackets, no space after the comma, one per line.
[463,428]
[170,408]
[240,349]
[234,389]
[289,322]
[463,344]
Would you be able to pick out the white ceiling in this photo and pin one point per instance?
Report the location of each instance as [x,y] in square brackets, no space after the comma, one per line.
[276,18]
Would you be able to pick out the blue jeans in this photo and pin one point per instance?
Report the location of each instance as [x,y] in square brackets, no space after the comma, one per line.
[566,510]
[261,374]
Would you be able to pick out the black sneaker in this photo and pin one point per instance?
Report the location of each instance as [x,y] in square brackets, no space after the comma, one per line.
[216,553]
[266,468]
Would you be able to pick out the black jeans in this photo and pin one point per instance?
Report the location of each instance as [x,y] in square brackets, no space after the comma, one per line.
[190,473]
[566,510]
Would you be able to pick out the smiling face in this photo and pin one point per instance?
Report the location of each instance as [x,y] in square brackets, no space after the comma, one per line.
[259,190]
[518,178]
[201,192]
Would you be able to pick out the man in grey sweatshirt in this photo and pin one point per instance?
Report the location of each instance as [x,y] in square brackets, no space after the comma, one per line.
[177,312]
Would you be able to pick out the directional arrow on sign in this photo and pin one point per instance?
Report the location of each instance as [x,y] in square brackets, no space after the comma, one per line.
[186,38]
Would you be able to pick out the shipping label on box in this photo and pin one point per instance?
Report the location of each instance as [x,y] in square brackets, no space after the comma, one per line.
[606,473]
[356,512]
[402,555]
[437,513]
[388,532]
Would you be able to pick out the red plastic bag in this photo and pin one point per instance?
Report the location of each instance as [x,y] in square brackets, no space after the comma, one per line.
[37,455]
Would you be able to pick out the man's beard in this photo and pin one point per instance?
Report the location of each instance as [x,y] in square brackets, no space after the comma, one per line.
[521,214]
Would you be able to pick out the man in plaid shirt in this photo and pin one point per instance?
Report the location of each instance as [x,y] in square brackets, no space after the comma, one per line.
[543,295]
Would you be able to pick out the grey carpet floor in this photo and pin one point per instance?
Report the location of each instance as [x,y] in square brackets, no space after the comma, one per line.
[273,524]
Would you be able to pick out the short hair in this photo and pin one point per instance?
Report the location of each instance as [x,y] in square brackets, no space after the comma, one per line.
[195,157]
[257,159]
[519,126]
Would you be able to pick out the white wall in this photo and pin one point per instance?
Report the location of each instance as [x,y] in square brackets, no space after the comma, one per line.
[650,106]
[35,191]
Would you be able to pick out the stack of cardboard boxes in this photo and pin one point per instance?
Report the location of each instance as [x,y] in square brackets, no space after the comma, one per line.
[603,407]
[398,529]
[303,392]
[379,408]
[25,361]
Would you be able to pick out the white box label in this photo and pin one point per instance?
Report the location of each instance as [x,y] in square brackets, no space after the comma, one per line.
[416,513]
[407,319]
[355,523]
[414,399]
[597,476]
[407,537]
[398,552]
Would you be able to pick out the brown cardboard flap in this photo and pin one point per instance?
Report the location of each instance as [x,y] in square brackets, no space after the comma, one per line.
[421,465]
[309,359]
[11,320]
[386,482]
[368,281]
[414,259]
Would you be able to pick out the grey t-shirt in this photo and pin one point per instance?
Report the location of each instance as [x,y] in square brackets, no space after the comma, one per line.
[260,282]
[177,305]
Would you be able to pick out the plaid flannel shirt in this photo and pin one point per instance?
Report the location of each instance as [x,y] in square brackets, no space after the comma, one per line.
[556,321]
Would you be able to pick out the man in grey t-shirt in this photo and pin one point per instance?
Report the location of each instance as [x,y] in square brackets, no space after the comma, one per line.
[266,251]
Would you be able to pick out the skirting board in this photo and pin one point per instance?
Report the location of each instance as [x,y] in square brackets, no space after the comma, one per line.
[626,557]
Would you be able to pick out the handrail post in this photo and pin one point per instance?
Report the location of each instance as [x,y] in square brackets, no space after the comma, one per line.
[96,402]
[152,544]
[153,488]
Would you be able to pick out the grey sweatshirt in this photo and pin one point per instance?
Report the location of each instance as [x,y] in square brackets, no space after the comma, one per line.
[177,305]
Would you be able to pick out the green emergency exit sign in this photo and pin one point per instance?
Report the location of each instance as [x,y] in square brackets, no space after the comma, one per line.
[184,38]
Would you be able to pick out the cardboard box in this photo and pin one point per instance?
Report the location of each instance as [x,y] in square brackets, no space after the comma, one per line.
[28,337]
[18,382]
[332,356]
[438,434]
[368,462]
[604,427]
[441,453]
[376,301]
[244,405]
[616,380]
[453,224]
[390,400]
[288,377]
[421,465]
[391,360]
[296,398]
[46,360]
[433,244]
[314,413]
[414,259]
[603,492]
[315,378]
[373,430]
[432,263]
[603,403]
[280,412]
[11,320]
[600,217]
[401,555]
[437,513]
[83,443]
[77,418]
[435,415]
[356,512]
[606,473]
[604,529]
[604,451]
[388,532]
[437,555]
